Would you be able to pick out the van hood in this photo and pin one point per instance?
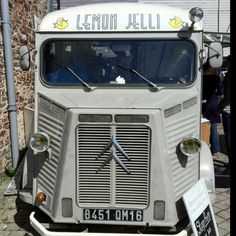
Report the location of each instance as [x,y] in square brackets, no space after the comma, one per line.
[117,99]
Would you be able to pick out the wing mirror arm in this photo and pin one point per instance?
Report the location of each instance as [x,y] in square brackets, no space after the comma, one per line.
[217,53]
[214,54]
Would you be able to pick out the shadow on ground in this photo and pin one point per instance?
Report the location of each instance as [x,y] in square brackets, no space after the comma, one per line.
[222,166]
[222,144]
[23,211]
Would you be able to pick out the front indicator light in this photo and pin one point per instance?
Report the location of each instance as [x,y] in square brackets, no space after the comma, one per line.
[41,197]
[39,142]
[190,146]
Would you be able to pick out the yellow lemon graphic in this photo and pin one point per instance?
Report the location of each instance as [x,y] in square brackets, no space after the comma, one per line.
[61,23]
[175,22]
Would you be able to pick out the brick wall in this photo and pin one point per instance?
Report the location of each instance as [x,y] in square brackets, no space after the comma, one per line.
[22,32]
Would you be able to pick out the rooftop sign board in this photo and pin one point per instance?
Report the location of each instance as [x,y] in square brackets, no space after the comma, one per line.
[117,17]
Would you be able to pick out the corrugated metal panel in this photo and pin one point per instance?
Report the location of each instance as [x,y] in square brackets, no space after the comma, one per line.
[182,178]
[51,122]
[224,16]
[216,12]
[72,3]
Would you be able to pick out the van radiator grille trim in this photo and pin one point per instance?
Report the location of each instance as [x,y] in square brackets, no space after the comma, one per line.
[182,177]
[112,185]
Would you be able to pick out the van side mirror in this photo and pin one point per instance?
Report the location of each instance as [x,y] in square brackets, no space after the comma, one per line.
[24,58]
[215,55]
[204,54]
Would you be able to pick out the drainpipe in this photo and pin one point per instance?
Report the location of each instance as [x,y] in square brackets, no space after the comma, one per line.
[10,82]
[218,17]
[51,5]
[58,5]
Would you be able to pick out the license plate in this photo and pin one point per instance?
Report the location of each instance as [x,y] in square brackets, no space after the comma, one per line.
[113,214]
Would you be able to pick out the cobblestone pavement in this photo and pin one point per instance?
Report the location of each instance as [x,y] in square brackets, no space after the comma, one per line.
[221,208]
[14,213]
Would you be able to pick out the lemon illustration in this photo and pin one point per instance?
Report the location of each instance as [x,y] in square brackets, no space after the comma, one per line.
[175,22]
[61,23]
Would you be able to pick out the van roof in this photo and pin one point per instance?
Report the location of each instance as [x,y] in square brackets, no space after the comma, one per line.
[117,17]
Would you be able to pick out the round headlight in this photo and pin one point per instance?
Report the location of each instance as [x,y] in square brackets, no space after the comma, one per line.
[190,146]
[195,14]
[39,142]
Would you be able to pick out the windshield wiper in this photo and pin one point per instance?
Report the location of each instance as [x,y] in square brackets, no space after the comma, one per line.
[151,84]
[73,73]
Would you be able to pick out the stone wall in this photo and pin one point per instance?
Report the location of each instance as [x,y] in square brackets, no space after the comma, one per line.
[22,14]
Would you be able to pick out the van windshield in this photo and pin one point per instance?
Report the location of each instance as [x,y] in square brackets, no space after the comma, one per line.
[111,62]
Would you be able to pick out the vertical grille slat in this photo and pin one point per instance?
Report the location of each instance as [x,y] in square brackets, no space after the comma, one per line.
[118,187]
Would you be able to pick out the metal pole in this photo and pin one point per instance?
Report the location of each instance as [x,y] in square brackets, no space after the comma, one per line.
[218,17]
[58,5]
[10,82]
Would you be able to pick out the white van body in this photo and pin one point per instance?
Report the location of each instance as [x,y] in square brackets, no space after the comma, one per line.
[114,161]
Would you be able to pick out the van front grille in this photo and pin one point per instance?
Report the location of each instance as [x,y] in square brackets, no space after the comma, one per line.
[110,183]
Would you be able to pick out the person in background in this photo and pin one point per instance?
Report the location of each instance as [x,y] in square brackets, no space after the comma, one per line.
[224,105]
[212,92]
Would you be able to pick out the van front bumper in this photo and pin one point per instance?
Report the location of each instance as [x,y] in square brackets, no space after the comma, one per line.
[45,232]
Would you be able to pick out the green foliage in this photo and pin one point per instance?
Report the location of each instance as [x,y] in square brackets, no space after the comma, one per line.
[4,177]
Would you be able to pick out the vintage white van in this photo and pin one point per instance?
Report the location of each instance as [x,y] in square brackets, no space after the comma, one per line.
[117,119]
